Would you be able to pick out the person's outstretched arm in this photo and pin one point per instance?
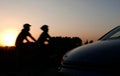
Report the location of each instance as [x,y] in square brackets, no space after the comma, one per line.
[33,38]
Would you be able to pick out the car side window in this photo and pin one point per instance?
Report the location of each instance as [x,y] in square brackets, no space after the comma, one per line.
[116,35]
[112,34]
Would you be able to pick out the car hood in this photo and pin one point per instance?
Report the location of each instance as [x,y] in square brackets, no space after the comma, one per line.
[99,52]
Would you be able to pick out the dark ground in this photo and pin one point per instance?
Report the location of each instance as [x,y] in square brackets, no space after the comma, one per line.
[36,61]
[26,65]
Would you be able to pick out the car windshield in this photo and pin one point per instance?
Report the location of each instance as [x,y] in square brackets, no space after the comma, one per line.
[113,34]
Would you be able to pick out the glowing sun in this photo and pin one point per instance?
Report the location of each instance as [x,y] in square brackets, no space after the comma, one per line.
[9,39]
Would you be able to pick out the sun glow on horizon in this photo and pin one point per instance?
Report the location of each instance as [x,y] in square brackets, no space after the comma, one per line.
[8,39]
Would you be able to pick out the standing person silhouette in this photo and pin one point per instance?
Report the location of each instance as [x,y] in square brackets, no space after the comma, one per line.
[23,36]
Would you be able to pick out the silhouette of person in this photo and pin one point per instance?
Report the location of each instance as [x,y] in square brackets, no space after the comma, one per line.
[23,36]
[21,46]
[44,48]
[44,37]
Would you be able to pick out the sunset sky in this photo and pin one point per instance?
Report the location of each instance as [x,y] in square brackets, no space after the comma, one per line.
[87,19]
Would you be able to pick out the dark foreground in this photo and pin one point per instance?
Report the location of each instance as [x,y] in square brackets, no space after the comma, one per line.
[36,61]
[49,72]
[26,65]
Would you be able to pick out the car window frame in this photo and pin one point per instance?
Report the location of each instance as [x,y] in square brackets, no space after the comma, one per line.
[108,35]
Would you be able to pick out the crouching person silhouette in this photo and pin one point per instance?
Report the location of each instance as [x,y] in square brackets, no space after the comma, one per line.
[42,44]
[23,36]
[44,37]
[21,46]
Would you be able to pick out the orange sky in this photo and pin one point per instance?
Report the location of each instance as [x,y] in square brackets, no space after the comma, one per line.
[87,19]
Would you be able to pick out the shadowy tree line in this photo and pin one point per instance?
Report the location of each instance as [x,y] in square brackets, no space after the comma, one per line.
[87,42]
[64,44]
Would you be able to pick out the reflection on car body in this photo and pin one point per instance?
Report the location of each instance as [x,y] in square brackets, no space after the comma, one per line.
[101,58]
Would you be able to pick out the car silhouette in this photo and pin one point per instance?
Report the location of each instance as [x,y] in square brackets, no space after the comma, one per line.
[100,58]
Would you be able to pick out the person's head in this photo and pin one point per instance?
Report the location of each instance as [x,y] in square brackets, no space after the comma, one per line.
[27,26]
[44,28]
